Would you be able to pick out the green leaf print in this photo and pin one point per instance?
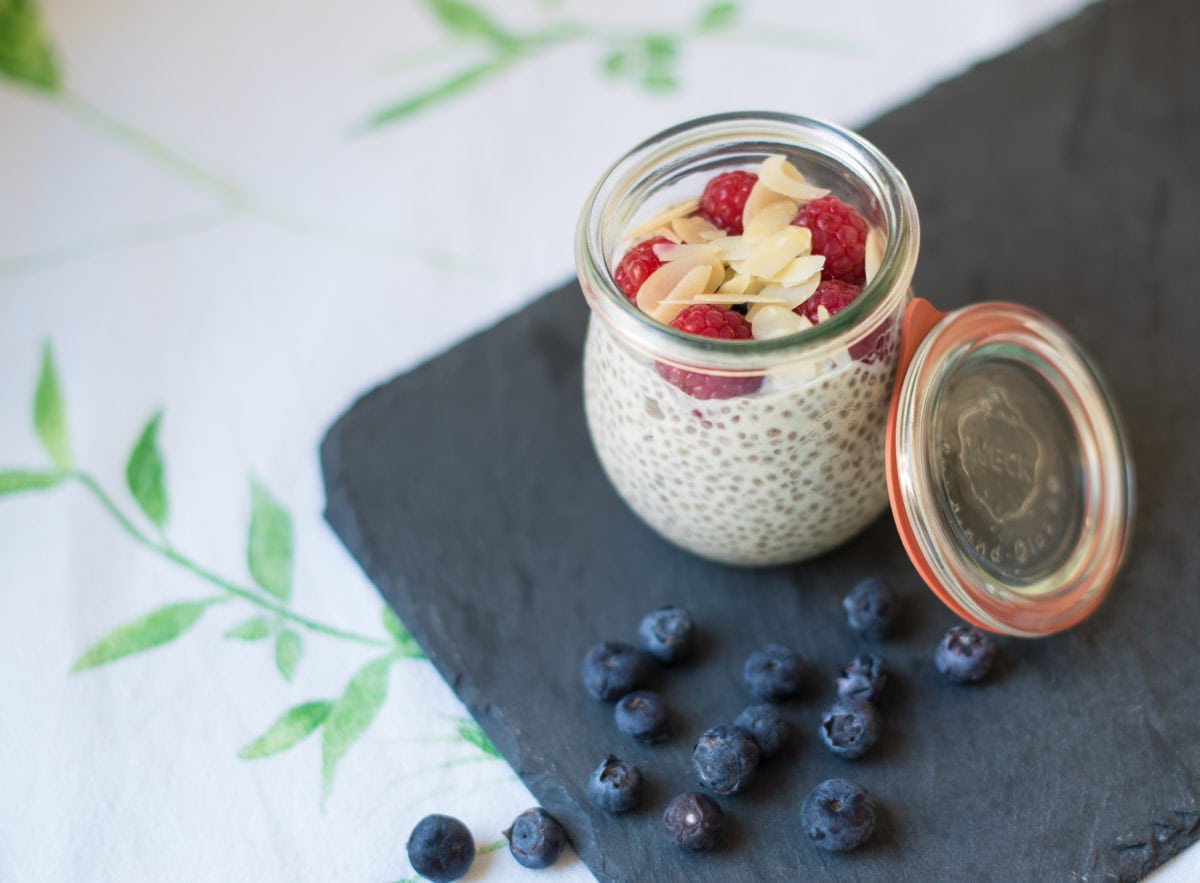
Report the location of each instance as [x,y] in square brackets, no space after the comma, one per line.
[460,82]
[351,716]
[405,642]
[254,629]
[144,475]
[616,63]
[289,647]
[26,55]
[473,733]
[49,415]
[16,480]
[291,728]
[464,20]
[152,630]
[269,546]
[718,17]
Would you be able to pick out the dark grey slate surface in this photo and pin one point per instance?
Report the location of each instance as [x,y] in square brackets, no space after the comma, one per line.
[1065,175]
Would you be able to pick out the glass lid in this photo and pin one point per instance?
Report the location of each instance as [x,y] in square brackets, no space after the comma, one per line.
[1008,468]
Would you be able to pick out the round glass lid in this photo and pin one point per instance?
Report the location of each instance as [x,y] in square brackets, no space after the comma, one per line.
[1008,468]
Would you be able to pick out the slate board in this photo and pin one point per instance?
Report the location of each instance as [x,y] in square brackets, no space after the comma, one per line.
[1065,175]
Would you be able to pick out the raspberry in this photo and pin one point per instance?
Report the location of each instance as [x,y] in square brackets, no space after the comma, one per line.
[710,320]
[835,295]
[637,265]
[832,294]
[724,199]
[840,234]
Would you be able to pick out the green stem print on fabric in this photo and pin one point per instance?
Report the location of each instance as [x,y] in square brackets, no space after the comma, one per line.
[649,59]
[270,540]
[28,59]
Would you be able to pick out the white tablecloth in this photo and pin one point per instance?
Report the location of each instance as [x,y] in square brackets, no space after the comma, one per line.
[238,216]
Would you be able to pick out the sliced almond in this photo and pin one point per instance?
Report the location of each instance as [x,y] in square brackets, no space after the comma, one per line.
[822,314]
[729,298]
[794,295]
[875,247]
[693,230]
[773,218]
[672,252]
[678,281]
[784,178]
[777,251]
[739,284]
[799,270]
[760,197]
[776,321]
[664,219]
[733,248]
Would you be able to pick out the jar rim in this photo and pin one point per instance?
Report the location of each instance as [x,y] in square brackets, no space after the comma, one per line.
[693,139]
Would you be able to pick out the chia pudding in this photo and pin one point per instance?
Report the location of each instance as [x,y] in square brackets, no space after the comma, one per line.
[747,274]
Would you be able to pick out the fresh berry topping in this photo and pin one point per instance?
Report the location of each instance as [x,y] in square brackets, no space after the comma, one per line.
[863,678]
[666,634]
[710,320]
[871,608]
[536,839]
[840,234]
[693,821]
[616,785]
[832,294]
[765,726]
[612,669]
[965,654]
[850,727]
[724,200]
[838,815]
[725,759]
[643,715]
[441,848]
[773,672]
[637,265]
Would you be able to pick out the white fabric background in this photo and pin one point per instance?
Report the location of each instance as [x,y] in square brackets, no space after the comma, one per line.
[253,331]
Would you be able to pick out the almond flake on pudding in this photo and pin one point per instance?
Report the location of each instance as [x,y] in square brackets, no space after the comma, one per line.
[677,281]
[777,251]
[772,321]
[771,219]
[799,270]
[874,252]
[760,197]
[694,230]
[675,252]
[794,295]
[822,314]
[784,178]
[741,284]
[730,298]
[733,248]
[662,220]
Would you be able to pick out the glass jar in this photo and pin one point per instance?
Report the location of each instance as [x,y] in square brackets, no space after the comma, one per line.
[746,452]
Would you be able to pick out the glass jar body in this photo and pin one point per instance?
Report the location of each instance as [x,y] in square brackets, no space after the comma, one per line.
[754,452]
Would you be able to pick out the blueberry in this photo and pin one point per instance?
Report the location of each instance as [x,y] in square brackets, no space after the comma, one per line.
[850,727]
[965,654]
[725,759]
[666,634]
[862,678]
[612,669]
[773,672]
[615,785]
[766,727]
[871,608]
[643,714]
[838,815]
[440,848]
[536,839]
[693,821]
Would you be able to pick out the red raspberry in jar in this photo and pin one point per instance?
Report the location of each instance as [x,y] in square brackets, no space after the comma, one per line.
[840,234]
[710,320]
[637,265]
[724,200]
